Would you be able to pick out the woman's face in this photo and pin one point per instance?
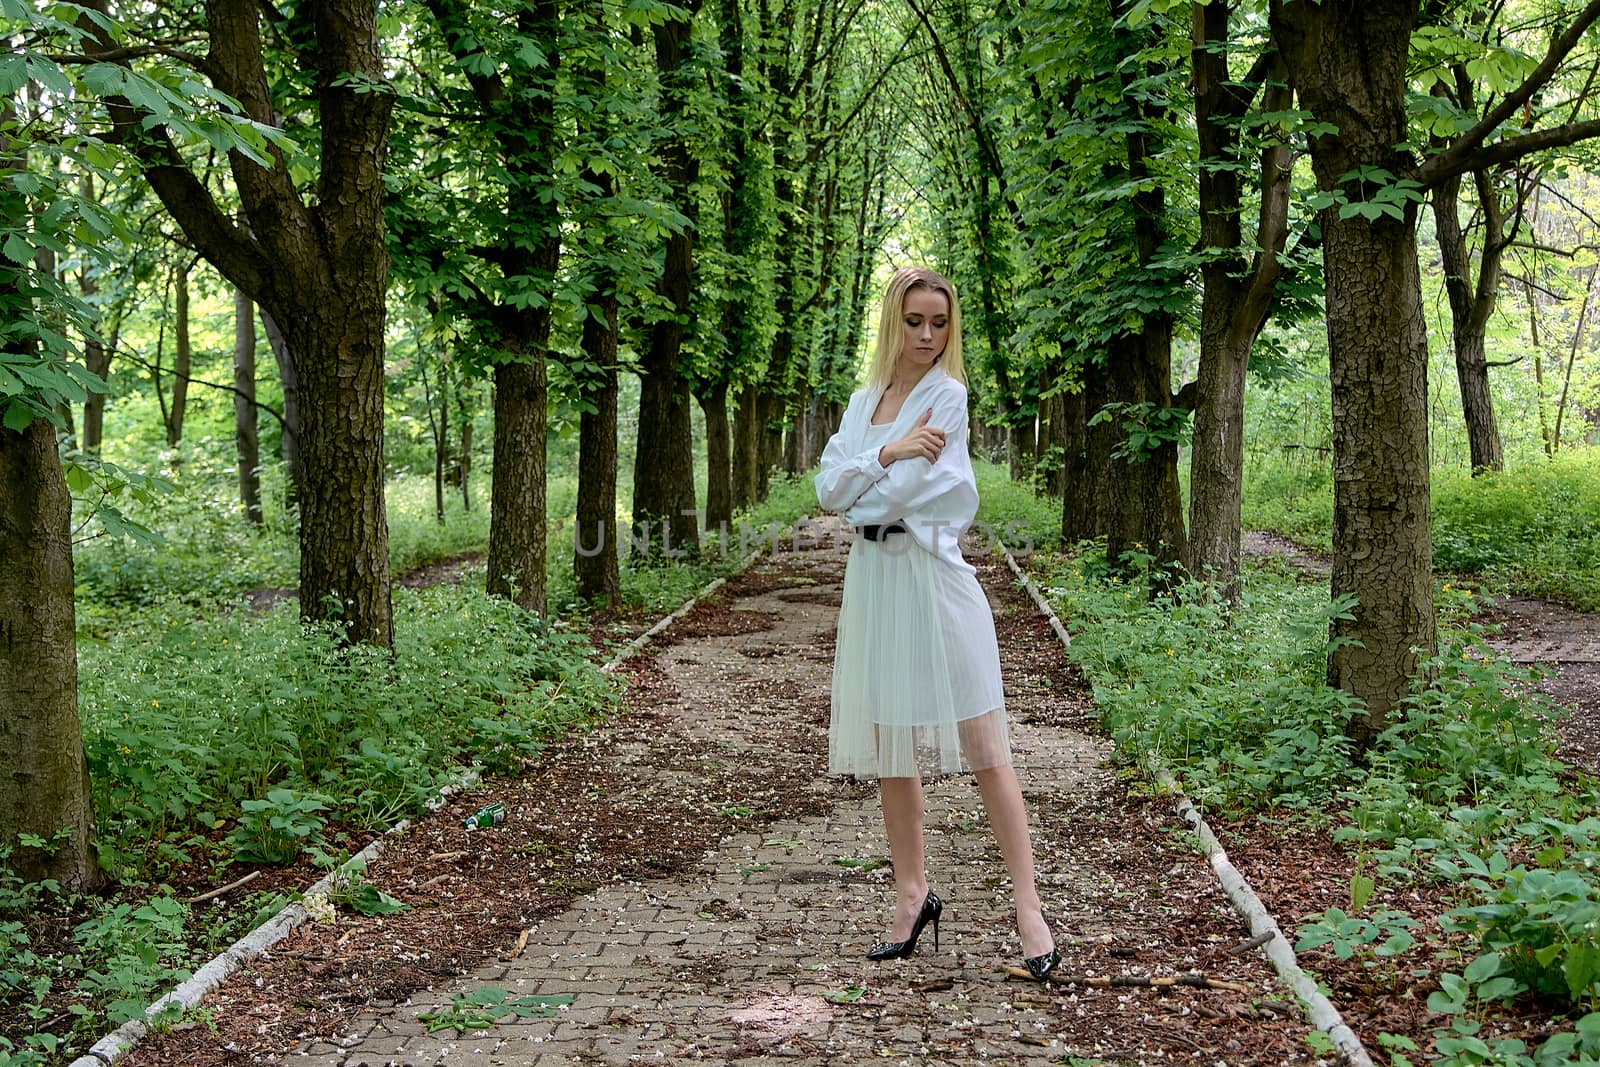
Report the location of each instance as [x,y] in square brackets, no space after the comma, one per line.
[926,318]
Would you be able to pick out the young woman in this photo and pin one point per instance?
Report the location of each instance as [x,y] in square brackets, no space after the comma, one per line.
[916,674]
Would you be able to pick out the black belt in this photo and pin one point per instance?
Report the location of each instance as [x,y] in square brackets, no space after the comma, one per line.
[879,533]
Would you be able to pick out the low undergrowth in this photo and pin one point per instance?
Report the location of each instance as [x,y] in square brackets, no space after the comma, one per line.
[1462,791]
[1532,528]
[1528,529]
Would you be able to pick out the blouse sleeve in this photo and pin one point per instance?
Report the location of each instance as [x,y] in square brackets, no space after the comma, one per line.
[909,484]
[843,478]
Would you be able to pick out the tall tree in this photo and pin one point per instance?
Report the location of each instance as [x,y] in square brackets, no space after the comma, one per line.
[246,432]
[182,357]
[663,465]
[1238,285]
[45,790]
[502,279]
[1349,64]
[314,259]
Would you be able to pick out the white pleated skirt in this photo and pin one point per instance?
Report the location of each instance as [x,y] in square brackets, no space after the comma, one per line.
[916,668]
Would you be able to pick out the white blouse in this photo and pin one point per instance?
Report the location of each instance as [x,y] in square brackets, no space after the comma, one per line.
[936,501]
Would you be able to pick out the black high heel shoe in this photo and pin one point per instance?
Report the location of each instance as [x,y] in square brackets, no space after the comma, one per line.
[932,908]
[1042,965]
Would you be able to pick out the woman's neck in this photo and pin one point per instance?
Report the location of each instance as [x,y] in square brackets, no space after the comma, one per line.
[904,379]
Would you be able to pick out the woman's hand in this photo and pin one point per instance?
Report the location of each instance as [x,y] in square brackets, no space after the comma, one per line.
[923,440]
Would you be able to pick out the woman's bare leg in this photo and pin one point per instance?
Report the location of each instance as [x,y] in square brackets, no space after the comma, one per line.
[1002,799]
[902,819]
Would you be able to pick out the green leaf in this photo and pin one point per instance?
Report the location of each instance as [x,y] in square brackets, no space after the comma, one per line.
[19,416]
[848,995]
[368,899]
[1483,968]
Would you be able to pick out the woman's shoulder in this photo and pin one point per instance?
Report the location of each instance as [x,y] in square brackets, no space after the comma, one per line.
[946,386]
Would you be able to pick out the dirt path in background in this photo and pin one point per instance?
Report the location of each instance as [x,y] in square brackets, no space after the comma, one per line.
[700,889]
[1532,633]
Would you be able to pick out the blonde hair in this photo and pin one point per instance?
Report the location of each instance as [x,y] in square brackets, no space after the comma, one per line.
[891,325]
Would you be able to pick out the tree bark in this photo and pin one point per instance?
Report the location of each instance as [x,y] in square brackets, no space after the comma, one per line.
[1348,64]
[719,456]
[1237,293]
[1055,426]
[1086,470]
[1471,304]
[594,559]
[182,360]
[517,492]
[320,269]
[663,467]
[289,446]
[747,448]
[45,788]
[1144,505]
[246,434]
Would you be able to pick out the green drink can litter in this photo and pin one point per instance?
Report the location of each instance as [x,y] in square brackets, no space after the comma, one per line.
[486,816]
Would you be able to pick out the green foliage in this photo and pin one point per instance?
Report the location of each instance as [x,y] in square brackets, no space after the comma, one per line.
[276,830]
[1463,778]
[119,956]
[1026,520]
[1146,428]
[1238,704]
[1542,928]
[215,714]
[1380,936]
[487,1005]
[46,217]
[1530,528]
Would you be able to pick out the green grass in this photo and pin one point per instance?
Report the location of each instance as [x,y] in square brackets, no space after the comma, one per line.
[1534,528]
[1023,519]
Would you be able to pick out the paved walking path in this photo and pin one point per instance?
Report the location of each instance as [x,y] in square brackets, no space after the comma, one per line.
[736,961]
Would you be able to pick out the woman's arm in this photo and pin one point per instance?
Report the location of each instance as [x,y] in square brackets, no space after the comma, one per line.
[912,482]
[844,477]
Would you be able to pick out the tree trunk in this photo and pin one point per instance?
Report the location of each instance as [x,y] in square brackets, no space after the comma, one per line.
[594,558]
[320,267]
[1470,308]
[798,441]
[182,360]
[1216,458]
[1054,443]
[97,360]
[1237,292]
[771,430]
[344,530]
[719,456]
[1144,505]
[1348,62]
[517,488]
[293,475]
[1086,458]
[747,448]
[1144,508]
[245,431]
[46,785]
[663,466]
[464,457]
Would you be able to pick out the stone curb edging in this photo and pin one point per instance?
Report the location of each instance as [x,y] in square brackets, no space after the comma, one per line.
[1319,1010]
[116,1045]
